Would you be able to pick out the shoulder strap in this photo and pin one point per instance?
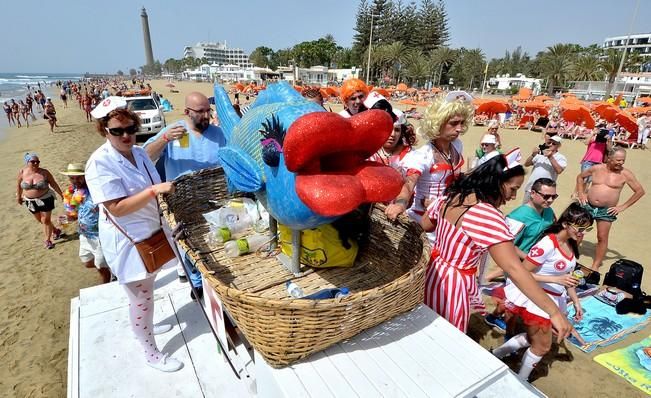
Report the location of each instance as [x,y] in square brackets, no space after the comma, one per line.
[106,212]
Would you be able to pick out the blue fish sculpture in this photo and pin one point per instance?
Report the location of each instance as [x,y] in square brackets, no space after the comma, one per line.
[305,165]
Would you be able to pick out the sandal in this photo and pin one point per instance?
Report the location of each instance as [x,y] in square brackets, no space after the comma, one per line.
[49,244]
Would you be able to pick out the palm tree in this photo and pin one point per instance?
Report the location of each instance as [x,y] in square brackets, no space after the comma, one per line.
[441,58]
[394,55]
[417,67]
[587,67]
[610,65]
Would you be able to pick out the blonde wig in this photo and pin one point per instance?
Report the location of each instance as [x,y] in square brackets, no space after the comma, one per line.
[439,112]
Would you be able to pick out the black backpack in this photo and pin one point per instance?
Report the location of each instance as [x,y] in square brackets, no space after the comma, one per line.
[625,275]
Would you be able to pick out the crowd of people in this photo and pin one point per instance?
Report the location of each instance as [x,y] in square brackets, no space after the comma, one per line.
[458,202]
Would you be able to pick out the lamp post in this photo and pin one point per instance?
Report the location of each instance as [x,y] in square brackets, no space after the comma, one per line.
[370,43]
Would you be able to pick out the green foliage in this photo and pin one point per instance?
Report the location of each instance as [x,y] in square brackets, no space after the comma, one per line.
[154,69]
[315,52]
[119,73]
[132,72]
[261,57]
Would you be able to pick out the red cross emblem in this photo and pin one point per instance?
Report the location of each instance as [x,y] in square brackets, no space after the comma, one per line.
[536,252]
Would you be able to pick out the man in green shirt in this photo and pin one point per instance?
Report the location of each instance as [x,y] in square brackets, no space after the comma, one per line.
[532,218]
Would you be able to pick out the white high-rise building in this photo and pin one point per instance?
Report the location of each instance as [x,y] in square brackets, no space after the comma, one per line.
[639,43]
[218,53]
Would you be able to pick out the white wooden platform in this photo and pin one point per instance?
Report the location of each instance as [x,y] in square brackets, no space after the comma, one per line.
[417,354]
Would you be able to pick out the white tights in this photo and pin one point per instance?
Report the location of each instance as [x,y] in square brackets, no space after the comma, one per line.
[141,314]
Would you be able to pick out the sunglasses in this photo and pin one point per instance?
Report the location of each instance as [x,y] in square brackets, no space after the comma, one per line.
[35,161]
[485,144]
[200,111]
[580,229]
[552,196]
[119,131]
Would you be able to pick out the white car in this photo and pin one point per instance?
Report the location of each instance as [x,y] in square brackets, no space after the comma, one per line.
[151,114]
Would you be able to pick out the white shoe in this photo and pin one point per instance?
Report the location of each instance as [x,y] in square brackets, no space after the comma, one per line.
[166,364]
[162,328]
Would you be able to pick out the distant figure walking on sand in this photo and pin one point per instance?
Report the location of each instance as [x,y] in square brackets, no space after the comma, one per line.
[64,97]
[50,114]
[87,104]
[34,189]
[15,110]
[24,111]
[602,200]
[9,113]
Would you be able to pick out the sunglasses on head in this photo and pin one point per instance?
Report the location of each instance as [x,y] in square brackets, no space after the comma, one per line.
[119,131]
[547,196]
[581,229]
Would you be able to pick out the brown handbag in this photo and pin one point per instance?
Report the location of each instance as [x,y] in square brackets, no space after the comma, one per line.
[156,250]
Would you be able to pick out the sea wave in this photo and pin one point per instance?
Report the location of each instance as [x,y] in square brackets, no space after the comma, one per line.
[33,76]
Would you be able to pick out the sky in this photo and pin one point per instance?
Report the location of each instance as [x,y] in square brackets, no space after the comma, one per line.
[76,36]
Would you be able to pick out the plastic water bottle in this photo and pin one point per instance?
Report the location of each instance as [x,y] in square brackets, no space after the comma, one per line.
[236,230]
[328,294]
[229,216]
[294,290]
[250,244]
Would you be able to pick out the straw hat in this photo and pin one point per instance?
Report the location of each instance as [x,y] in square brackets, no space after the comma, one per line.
[74,169]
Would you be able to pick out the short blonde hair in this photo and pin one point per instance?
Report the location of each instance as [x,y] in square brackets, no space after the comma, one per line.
[439,112]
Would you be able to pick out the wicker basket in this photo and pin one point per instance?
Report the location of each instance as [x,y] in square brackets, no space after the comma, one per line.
[387,278]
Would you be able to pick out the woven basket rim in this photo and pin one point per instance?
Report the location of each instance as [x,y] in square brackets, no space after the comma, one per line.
[292,303]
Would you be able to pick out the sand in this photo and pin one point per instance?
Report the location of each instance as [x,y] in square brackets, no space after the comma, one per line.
[37,284]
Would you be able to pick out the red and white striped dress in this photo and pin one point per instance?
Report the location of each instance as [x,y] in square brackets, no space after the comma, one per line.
[451,281]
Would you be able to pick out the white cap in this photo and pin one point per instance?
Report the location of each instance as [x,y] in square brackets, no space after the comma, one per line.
[107,105]
[488,139]
[556,138]
[402,119]
[372,98]
[458,95]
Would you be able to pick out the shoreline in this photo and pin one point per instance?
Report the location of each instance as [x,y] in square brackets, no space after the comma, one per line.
[37,284]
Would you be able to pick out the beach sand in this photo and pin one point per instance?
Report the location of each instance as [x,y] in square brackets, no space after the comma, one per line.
[37,284]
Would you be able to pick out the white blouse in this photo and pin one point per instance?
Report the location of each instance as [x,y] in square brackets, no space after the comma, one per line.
[109,176]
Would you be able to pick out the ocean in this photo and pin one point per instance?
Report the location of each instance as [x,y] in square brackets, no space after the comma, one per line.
[14,86]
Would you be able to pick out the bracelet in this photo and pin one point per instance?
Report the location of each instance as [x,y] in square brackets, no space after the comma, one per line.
[152,192]
[165,137]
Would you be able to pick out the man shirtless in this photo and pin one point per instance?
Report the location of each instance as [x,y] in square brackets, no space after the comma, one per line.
[602,200]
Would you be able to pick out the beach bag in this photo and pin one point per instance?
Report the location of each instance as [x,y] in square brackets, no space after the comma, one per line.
[320,247]
[625,275]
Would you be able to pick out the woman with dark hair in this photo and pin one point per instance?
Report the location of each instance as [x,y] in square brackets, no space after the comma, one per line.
[398,145]
[125,184]
[552,261]
[468,224]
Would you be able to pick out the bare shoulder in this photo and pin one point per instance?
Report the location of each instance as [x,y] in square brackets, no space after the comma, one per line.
[628,174]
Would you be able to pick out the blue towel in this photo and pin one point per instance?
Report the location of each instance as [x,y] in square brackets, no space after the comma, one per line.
[602,325]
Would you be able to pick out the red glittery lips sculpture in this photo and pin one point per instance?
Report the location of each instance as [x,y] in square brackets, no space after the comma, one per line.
[328,153]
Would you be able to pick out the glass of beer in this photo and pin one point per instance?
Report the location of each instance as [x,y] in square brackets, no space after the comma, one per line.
[184,141]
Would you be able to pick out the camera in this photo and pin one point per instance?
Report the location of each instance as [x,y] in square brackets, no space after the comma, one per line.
[542,148]
[602,136]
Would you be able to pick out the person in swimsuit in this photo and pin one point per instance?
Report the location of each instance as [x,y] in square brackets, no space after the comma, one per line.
[24,111]
[9,113]
[50,114]
[34,190]
[602,199]
[15,110]
[87,104]
[64,97]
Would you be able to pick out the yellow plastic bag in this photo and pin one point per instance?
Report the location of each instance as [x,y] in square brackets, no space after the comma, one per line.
[320,247]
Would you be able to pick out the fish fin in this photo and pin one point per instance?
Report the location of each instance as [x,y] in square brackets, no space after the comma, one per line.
[242,171]
[278,92]
[228,118]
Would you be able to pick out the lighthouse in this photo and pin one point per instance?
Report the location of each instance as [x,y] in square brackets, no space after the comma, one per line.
[149,54]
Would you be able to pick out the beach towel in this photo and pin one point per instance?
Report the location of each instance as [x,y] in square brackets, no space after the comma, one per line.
[633,363]
[602,325]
